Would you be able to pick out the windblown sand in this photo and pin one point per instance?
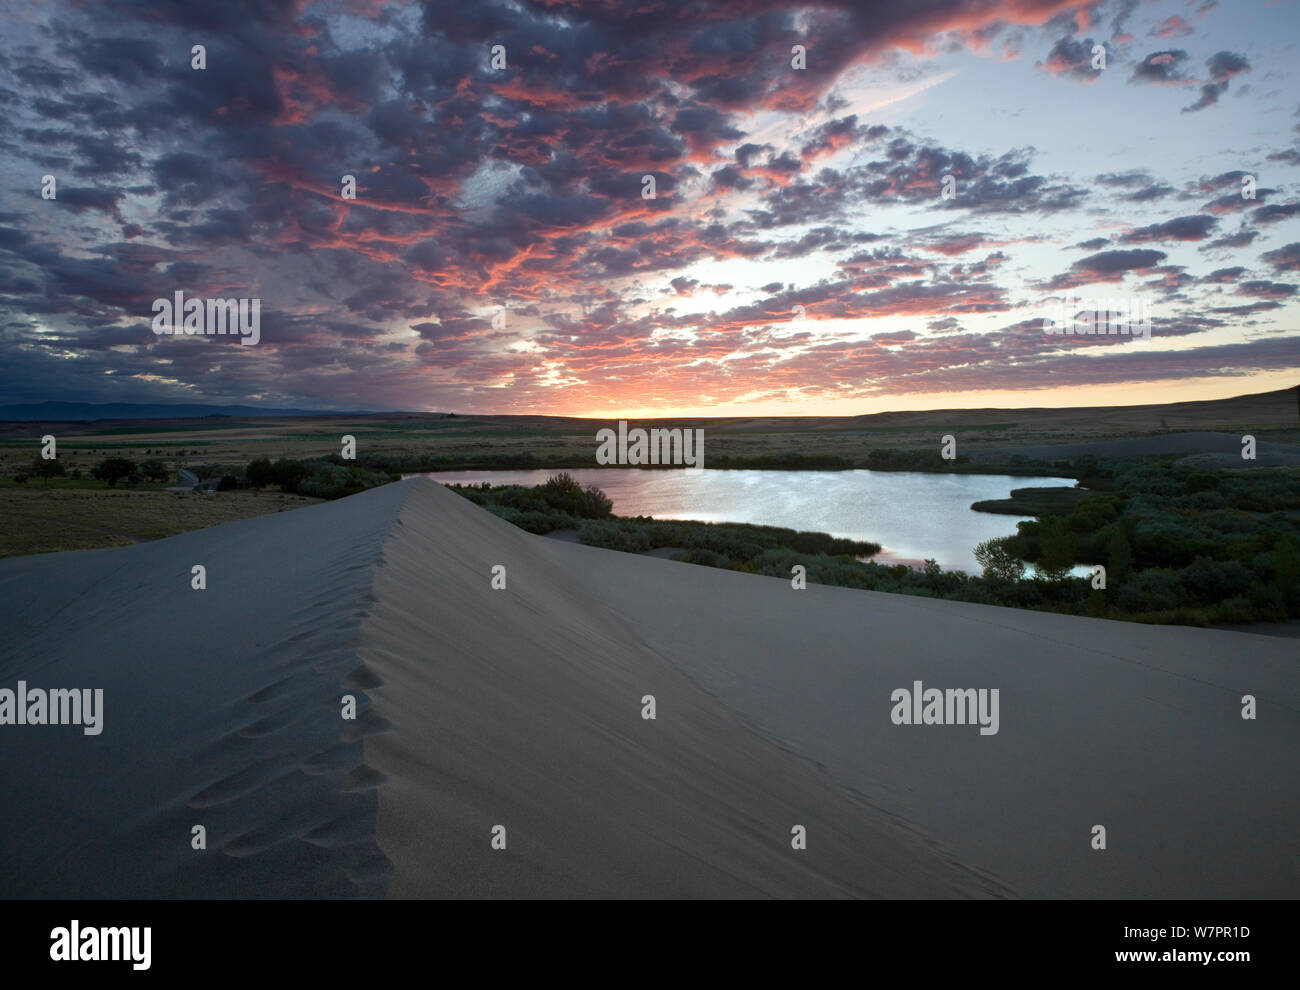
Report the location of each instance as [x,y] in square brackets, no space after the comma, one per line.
[522,708]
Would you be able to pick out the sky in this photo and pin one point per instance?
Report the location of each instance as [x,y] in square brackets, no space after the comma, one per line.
[856,206]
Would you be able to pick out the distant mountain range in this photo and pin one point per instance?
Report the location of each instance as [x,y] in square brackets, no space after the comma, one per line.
[90,411]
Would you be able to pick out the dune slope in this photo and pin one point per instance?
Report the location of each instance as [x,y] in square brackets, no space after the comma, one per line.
[522,708]
[221,710]
[1134,728]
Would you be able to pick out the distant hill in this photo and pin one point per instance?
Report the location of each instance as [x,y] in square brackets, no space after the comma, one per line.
[91,411]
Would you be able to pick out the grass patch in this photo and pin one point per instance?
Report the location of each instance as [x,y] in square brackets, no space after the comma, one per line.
[194,428]
[47,520]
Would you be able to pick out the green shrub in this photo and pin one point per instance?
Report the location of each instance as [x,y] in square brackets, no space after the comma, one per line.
[260,472]
[1119,556]
[1286,567]
[289,474]
[326,480]
[612,536]
[998,562]
[154,470]
[708,558]
[565,494]
[1210,581]
[1152,590]
[1059,548]
[113,470]
[47,469]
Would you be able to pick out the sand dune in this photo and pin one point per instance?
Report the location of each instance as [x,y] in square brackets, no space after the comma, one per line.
[522,708]
[220,709]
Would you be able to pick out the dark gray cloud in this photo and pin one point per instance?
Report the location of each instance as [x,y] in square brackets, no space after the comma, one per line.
[1163,68]
[1222,67]
[1284,259]
[1190,228]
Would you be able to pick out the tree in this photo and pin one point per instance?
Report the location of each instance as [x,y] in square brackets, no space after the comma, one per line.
[1120,555]
[260,472]
[154,470]
[47,469]
[114,469]
[932,571]
[1058,548]
[999,563]
[290,474]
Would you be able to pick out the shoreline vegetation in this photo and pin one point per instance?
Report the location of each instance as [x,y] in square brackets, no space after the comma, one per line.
[1179,546]
[1179,543]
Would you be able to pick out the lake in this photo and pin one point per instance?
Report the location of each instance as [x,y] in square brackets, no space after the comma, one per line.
[912,515]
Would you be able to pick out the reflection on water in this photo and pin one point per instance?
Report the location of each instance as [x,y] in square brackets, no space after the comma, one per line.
[911,514]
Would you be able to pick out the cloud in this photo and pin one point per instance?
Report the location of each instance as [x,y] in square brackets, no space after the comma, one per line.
[1241,239]
[1107,266]
[1224,275]
[1190,228]
[1072,57]
[1164,68]
[1267,290]
[834,135]
[523,187]
[1272,213]
[1284,259]
[1143,187]
[1171,27]
[1223,67]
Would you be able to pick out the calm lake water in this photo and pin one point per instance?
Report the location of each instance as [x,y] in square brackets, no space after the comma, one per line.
[910,514]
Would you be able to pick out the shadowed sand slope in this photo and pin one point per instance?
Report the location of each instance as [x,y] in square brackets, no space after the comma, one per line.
[522,708]
[221,709]
[1136,728]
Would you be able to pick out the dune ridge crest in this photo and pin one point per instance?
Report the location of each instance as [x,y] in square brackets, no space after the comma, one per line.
[522,708]
[221,709]
[513,718]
